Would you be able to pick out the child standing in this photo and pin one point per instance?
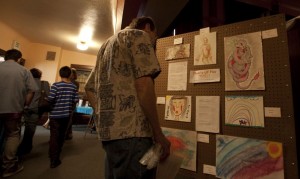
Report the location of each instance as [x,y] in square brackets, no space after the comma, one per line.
[64,96]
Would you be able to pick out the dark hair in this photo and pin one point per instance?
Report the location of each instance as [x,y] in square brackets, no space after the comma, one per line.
[36,73]
[140,23]
[12,54]
[65,72]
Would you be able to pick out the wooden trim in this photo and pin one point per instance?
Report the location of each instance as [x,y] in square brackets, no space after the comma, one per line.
[82,67]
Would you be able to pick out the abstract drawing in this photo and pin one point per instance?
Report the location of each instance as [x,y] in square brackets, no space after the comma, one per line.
[184,144]
[178,108]
[245,111]
[244,62]
[244,158]
[178,51]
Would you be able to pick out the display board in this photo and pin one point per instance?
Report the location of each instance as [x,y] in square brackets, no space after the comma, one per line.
[277,119]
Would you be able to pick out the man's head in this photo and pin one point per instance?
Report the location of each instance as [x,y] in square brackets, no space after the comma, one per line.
[36,73]
[13,54]
[65,72]
[146,24]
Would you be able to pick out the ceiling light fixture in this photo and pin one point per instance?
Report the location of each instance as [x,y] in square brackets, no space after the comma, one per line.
[82,45]
[84,38]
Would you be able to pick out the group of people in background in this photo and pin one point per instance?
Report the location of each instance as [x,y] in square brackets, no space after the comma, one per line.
[20,91]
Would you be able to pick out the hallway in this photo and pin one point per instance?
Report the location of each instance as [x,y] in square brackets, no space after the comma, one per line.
[82,157]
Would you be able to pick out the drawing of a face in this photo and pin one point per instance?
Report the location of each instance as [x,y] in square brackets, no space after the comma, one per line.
[178,106]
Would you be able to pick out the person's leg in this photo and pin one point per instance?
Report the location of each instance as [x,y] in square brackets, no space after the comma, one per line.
[123,158]
[53,142]
[31,118]
[12,126]
[58,129]
[1,136]
[69,134]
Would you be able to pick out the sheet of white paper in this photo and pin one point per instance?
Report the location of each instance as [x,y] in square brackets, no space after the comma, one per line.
[205,76]
[177,76]
[208,113]
[269,33]
[209,169]
[272,112]
[178,41]
[203,138]
[204,30]
[160,100]
[169,168]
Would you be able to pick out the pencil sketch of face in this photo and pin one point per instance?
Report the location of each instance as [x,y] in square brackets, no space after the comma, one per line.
[178,106]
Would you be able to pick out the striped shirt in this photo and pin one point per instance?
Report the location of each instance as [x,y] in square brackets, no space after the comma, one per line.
[64,96]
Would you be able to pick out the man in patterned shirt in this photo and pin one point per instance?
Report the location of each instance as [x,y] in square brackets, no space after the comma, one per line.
[64,96]
[121,91]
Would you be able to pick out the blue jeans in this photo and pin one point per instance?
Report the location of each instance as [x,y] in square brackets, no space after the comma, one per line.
[12,133]
[122,158]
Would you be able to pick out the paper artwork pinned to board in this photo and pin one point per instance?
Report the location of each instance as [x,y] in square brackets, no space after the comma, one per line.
[244,62]
[177,76]
[238,157]
[208,114]
[247,111]
[178,108]
[205,49]
[183,144]
[177,52]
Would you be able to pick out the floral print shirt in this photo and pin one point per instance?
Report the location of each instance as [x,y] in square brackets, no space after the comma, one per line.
[122,59]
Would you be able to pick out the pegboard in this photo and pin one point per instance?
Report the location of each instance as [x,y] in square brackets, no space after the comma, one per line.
[277,93]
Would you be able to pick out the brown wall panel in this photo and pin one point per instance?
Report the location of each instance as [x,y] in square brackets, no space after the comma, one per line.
[278,92]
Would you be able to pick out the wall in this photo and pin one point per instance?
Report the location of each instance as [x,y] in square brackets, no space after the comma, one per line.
[35,54]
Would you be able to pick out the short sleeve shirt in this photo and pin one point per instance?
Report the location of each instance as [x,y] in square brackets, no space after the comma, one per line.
[15,82]
[122,59]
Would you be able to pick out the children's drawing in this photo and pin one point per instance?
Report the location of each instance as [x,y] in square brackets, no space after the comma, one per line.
[244,62]
[178,51]
[205,49]
[184,144]
[238,158]
[178,108]
[245,111]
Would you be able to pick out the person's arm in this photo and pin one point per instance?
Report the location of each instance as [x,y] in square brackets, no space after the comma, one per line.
[147,98]
[28,98]
[90,90]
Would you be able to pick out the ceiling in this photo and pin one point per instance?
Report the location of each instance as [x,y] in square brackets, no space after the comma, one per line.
[58,22]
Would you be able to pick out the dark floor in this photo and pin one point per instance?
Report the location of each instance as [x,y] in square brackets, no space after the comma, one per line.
[82,157]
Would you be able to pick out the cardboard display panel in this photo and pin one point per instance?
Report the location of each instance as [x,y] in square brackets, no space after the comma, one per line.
[277,92]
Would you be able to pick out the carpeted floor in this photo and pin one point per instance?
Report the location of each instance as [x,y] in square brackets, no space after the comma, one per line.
[82,157]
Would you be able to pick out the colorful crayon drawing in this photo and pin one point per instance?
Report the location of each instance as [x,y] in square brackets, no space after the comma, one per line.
[244,158]
[178,108]
[247,111]
[184,144]
[244,62]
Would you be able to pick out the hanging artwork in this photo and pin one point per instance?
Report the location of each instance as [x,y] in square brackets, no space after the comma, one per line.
[178,108]
[178,51]
[208,114]
[245,111]
[205,49]
[244,62]
[238,157]
[183,144]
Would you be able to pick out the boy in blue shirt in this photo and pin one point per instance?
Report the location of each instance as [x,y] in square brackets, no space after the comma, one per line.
[64,96]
